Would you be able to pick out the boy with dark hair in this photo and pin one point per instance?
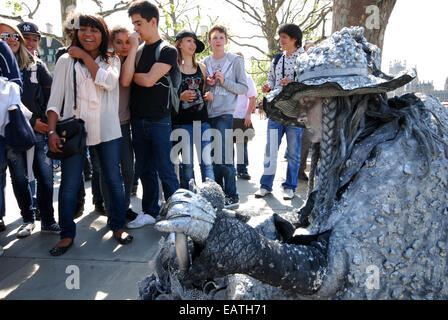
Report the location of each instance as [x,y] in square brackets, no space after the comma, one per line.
[150,108]
[281,74]
[226,78]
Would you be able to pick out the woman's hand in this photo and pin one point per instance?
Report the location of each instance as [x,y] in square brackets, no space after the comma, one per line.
[77,53]
[188,96]
[40,127]
[208,96]
[55,144]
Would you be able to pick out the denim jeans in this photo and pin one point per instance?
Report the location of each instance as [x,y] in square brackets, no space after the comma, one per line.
[126,166]
[108,154]
[71,176]
[127,163]
[97,196]
[241,168]
[225,171]
[2,176]
[294,141]
[187,165]
[152,147]
[43,171]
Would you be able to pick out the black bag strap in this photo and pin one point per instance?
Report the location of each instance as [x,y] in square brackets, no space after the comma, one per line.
[75,90]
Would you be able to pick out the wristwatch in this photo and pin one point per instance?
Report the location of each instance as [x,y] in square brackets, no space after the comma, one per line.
[51,133]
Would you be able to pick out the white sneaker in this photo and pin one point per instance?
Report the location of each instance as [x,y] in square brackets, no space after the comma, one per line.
[25,230]
[141,221]
[288,194]
[261,193]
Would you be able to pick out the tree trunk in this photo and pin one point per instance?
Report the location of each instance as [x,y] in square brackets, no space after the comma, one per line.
[347,13]
[65,8]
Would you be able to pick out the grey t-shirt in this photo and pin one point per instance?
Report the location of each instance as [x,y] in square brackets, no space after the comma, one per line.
[225,96]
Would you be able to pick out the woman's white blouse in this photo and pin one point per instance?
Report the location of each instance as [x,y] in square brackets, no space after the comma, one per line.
[107,80]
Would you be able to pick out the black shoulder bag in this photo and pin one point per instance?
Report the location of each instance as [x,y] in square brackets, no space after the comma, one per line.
[71,131]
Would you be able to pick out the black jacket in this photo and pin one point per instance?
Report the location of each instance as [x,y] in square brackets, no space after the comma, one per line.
[37,82]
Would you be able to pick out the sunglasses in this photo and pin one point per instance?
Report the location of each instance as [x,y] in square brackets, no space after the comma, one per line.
[6,36]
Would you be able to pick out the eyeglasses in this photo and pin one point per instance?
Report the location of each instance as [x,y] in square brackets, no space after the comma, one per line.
[7,36]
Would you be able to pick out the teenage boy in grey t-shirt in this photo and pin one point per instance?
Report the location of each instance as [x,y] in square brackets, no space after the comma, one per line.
[226,78]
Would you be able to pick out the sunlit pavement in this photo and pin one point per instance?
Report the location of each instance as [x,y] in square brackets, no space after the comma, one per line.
[97,267]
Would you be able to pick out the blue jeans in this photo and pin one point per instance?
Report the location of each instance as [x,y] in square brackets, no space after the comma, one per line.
[225,171]
[275,134]
[126,167]
[187,165]
[108,154]
[127,162]
[2,176]
[241,168]
[97,196]
[43,171]
[71,176]
[152,147]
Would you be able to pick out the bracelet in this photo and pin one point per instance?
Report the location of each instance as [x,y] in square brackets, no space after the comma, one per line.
[50,133]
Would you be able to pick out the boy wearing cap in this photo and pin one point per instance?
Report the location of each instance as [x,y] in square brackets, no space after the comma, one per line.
[150,109]
[226,78]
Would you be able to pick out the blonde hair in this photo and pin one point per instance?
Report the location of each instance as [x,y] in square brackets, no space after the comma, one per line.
[23,56]
[116,30]
[180,59]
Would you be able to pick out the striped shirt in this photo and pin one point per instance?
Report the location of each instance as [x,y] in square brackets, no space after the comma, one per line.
[289,63]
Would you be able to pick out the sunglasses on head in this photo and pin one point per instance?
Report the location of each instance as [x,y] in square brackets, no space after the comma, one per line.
[7,36]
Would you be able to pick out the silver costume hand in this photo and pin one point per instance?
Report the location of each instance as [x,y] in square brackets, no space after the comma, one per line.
[189,214]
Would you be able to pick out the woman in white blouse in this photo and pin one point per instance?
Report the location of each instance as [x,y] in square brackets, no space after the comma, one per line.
[97,77]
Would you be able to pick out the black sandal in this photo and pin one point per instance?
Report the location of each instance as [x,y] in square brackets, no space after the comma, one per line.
[124,241]
[59,251]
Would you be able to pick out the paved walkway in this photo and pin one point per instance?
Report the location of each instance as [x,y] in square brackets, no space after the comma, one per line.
[108,270]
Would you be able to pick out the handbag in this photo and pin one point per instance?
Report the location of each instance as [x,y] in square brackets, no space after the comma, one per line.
[71,131]
[19,135]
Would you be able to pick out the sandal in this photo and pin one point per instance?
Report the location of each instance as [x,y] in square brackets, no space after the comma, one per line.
[59,251]
[124,241]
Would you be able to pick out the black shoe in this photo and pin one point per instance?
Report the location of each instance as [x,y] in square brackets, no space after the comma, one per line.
[59,251]
[134,191]
[303,176]
[124,241]
[37,214]
[231,203]
[79,211]
[131,215]
[244,176]
[99,207]
[2,226]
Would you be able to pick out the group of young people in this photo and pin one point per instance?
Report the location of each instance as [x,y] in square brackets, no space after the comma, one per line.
[130,90]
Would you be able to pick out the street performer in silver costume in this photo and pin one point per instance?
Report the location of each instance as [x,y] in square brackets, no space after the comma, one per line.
[377,204]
